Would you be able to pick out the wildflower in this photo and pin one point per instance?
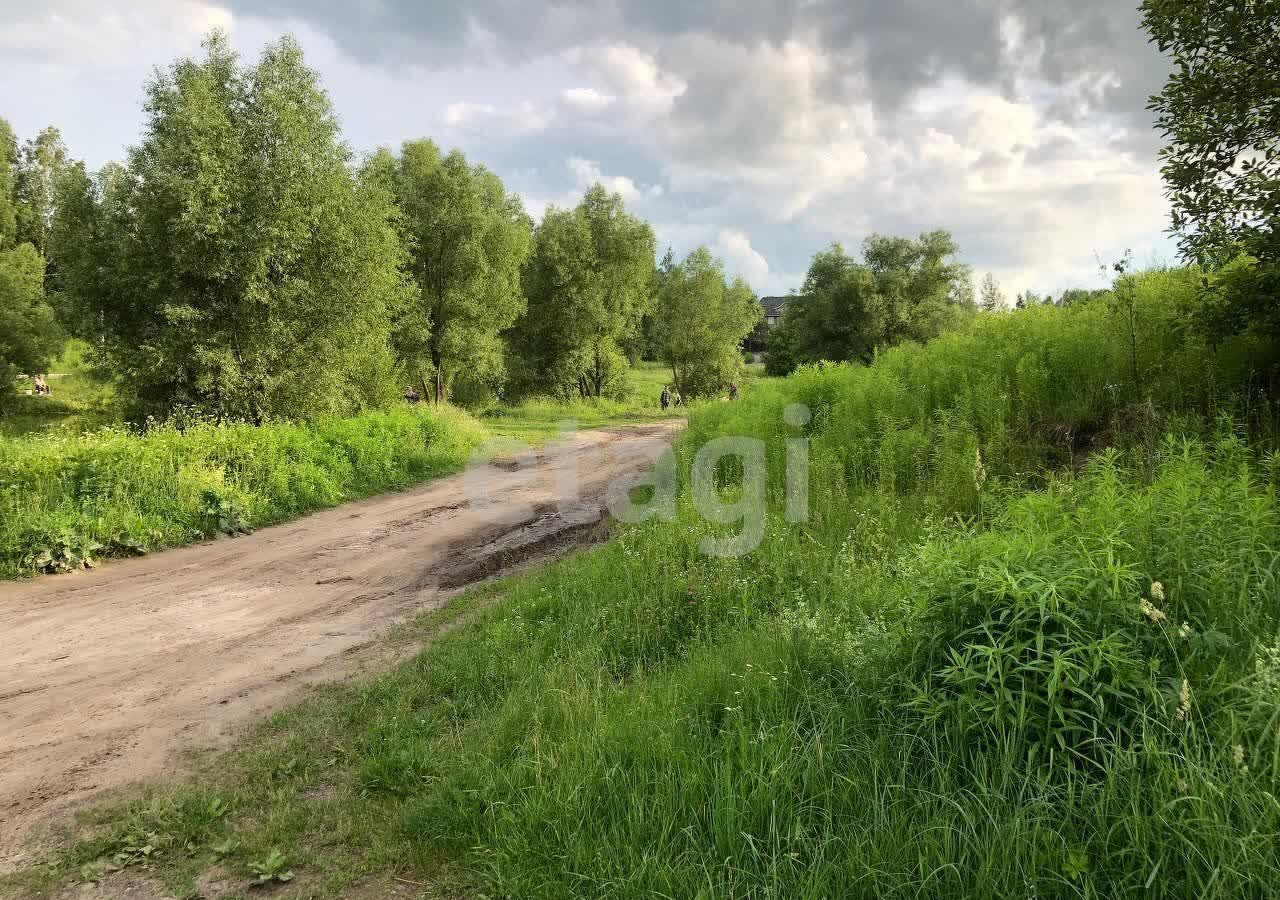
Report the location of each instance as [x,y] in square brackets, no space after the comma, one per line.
[1183,787]
[1185,631]
[979,470]
[1184,701]
[1157,592]
[1157,616]
[1237,756]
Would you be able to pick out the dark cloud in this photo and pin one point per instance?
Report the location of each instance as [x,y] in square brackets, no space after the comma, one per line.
[1094,49]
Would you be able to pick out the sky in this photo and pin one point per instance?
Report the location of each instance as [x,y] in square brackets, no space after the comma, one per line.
[764,130]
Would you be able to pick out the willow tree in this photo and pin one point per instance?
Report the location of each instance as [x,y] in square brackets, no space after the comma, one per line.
[467,239]
[235,264]
[588,284]
[701,319]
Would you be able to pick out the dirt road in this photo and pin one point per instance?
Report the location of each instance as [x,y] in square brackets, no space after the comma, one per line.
[109,676]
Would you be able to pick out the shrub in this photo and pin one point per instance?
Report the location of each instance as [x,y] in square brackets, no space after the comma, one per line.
[65,497]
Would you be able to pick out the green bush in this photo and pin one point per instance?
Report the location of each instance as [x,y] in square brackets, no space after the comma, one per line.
[65,497]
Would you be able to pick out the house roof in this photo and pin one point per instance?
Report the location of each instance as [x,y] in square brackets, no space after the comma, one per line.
[773,306]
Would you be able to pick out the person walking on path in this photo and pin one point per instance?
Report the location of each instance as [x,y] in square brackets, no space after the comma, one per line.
[665,399]
[733,390]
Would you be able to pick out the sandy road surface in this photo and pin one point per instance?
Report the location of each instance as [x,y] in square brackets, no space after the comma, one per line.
[108,676]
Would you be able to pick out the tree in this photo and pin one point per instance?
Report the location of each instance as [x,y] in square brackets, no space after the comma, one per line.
[29,334]
[903,290]
[235,264]
[921,290]
[1220,114]
[643,344]
[700,321]
[553,337]
[991,298]
[8,176]
[587,283]
[42,163]
[834,316]
[468,239]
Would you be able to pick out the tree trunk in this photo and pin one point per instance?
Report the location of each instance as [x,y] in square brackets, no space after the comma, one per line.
[438,362]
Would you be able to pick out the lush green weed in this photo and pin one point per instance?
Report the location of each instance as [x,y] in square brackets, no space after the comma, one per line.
[66,497]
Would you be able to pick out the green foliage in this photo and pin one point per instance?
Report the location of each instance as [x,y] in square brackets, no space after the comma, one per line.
[587,284]
[1220,114]
[467,240]
[700,321]
[41,165]
[903,290]
[67,498]
[29,333]
[272,867]
[235,265]
[8,175]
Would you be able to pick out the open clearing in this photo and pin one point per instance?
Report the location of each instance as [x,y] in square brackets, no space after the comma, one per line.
[113,675]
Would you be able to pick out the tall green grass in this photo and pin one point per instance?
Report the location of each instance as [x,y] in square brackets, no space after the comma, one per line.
[1026,645]
[66,497]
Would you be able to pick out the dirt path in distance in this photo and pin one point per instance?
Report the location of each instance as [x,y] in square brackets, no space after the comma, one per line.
[111,675]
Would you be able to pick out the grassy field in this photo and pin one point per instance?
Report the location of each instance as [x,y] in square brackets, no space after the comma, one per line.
[1024,645]
[535,420]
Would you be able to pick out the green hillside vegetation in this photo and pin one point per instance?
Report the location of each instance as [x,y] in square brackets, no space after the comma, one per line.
[1024,645]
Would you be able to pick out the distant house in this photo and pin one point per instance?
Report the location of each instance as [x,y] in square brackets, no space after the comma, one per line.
[773,308]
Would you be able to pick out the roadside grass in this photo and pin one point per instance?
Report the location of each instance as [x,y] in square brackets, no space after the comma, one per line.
[882,702]
[67,498]
[993,662]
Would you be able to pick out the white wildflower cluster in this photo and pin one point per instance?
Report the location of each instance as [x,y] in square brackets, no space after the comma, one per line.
[1155,614]
[759,675]
[1148,608]
[979,470]
[1184,702]
[851,642]
[1266,673]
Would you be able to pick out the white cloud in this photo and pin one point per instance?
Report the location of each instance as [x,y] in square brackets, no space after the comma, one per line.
[741,257]
[586,100]
[80,32]
[522,118]
[587,172]
[632,75]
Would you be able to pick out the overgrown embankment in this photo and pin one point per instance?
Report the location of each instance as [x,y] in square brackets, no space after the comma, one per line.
[66,498]
[1024,645]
